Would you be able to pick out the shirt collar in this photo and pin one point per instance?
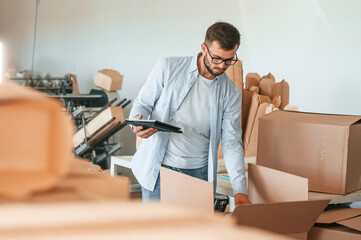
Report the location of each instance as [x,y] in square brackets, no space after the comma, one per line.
[194,65]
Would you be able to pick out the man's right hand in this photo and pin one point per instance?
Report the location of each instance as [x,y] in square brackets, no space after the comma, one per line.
[138,130]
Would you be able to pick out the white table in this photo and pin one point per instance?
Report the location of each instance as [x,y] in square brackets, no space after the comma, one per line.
[121,165]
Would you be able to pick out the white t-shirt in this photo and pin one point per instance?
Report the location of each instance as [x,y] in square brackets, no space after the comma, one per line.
[189,150]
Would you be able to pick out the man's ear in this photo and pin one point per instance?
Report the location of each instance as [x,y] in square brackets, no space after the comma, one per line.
[204,49]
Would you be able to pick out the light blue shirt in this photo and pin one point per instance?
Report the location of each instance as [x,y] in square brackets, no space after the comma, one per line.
[160,97]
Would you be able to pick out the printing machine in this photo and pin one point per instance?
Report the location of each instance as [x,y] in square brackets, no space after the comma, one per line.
[82,108]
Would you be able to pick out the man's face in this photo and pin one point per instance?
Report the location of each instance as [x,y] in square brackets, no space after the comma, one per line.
[213,53]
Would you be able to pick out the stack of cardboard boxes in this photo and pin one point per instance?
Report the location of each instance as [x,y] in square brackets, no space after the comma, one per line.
[262,95]
[323,148]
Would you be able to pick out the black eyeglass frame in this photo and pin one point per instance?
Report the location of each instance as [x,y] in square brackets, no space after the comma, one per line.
[233,61]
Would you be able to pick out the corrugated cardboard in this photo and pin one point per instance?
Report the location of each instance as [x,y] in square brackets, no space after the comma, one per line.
[235,73]
[98,122]
[35,141]
[282,89]
[338,214]
[251,144]
[276,101]
[267,77]
[341,223]
[283,217]
[348,217]
[333,232]
[266,85]
[254,89]
[353,223]
[269,185]
[276,203]
[108,79]
[265,99]
[326,149]
[184,190]
[85,182]
[252,79]
[251,119]
[246,104]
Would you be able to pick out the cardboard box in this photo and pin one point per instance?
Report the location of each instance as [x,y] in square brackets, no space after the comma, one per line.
[279,203]
[293,219]
[326,149]
[347,217]
[109,80]
[250,145]
[114,220]
[98,122]
[85,182]
[267,185]
[181,189]
[342,223]
[252,113]
[246,103]
[252,79]
[282,89]
[235,73]
[333,232]
[35,141]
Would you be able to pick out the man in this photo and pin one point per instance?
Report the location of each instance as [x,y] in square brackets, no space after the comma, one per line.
[195,94]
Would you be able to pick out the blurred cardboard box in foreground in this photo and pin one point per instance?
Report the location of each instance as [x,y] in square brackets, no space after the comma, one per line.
[114,220]
[35,141]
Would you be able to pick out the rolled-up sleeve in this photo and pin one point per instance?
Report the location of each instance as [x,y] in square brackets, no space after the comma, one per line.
[232,146]
[150,92]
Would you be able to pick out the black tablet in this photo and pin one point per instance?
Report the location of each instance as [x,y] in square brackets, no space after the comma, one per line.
[161,126]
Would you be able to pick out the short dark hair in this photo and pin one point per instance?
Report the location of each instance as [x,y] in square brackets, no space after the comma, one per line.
[225,34]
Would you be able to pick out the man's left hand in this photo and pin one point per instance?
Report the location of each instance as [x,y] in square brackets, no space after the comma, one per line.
[241,198]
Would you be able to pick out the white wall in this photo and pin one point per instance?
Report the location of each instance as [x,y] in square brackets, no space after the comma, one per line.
[313,44]
[83,36]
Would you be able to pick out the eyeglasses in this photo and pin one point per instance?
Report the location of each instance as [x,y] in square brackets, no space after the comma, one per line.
[217,60]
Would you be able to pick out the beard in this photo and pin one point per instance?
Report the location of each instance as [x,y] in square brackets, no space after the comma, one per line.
[206,63]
